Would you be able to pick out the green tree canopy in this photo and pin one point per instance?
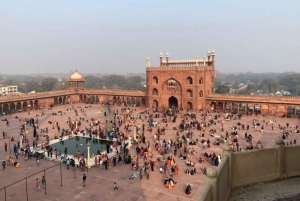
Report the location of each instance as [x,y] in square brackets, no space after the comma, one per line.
[222,89]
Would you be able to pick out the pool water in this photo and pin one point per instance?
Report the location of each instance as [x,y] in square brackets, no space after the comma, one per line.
[79,143]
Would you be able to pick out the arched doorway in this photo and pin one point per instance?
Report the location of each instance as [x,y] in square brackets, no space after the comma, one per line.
[155,104]
[213,106]
[173,102]
[189,106]
[93,99]
[6,108]
[19,107]
[114,100]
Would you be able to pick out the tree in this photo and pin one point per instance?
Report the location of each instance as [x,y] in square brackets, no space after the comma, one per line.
[47,84]
[291,82]
[269,85]
[222,89]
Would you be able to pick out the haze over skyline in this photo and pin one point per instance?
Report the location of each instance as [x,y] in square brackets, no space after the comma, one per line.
[117,36]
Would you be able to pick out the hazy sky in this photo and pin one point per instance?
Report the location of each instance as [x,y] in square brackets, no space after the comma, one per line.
[117,36]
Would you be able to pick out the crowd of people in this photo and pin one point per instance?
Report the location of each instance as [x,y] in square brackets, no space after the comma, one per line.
[191,132]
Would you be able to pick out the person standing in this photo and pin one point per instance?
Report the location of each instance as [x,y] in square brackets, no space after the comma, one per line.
[65,152]
[5,147]
[68,163]
[115,161]
[38,162]
[147,173]
[101,162]
[43,182]
[141,174]
[3,165]
[83,179]
[115,186]
[37,184]
[16,151]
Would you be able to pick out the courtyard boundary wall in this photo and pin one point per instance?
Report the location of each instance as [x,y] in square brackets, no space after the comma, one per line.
[250,167]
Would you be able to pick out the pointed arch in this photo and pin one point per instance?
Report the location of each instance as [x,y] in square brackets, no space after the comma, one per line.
[189,80]
[155,80]
[189,93]
[201,80]
[155,92]
[201,93]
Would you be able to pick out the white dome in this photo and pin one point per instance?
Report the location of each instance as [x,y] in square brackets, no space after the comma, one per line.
[76,76]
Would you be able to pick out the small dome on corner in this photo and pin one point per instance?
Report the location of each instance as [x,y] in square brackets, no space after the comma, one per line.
[76,76]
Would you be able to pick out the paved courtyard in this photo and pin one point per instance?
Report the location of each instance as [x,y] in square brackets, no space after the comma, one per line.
[100,182]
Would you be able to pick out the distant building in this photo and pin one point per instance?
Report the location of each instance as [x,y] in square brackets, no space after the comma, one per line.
[8,90]
[286,93]
[262,92]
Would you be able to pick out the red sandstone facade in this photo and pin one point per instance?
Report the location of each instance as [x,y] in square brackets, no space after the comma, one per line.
[187,84]
[184,84]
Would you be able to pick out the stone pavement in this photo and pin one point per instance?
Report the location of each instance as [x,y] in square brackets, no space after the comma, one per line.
[100,182]
[287,190]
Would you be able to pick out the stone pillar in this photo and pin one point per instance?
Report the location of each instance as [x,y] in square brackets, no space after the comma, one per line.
[211,179]
[134,132]
[228,152]
[88,155]
[280,148]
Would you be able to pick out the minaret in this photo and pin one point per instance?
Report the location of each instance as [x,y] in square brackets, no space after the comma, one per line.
[148,62]
[208,55]
[160,57]
[213,54]
[197,60]
[167,58]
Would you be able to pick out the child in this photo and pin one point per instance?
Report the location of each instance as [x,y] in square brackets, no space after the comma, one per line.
[37,184]
[115,186]
[160,170]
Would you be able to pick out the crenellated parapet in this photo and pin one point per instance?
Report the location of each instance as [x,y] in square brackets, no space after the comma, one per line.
[206,60]
[254,98]
[179,68]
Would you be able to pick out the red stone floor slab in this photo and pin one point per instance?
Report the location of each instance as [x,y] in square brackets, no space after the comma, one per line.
[100,182]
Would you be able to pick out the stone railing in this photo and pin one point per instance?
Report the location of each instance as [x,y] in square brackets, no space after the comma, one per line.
[177,68]
[254,98]
[248,96]
[250,167]
[112,92]
[70,92]
[38,94]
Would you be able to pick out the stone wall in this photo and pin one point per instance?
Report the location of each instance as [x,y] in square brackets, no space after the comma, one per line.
[223,178]
[250,167]
[45,102]
[206,194]
[254,166]
[292,161]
